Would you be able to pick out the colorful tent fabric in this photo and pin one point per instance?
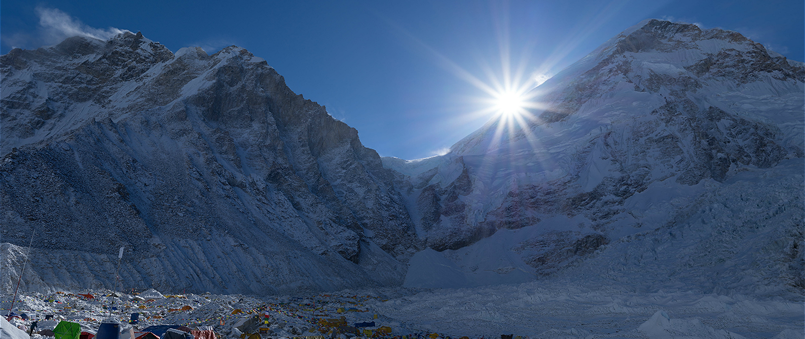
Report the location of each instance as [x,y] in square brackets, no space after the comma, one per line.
[145,335]
[67,330]
[203,334]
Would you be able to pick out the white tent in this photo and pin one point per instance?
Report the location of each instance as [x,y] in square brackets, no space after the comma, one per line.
[152,294]
[8,331]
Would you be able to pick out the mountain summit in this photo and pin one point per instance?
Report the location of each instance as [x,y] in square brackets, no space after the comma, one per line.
[632,139]
[670,149]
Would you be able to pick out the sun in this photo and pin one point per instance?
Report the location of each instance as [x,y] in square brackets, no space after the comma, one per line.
[509,103]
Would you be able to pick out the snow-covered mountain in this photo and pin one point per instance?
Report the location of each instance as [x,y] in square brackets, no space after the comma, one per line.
[669,147]
[670,151]
[208,169]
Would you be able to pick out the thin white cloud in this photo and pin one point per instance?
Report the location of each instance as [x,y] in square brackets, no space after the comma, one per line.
[441,151]
[668,18]
[539,78]
[335,112]
[213,45]
[781,49]
[684,21]
[56,26]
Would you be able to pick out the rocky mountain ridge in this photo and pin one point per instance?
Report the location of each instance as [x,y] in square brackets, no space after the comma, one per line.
[216,177]
[208,169]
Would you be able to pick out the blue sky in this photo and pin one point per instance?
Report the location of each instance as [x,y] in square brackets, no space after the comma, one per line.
[398,71]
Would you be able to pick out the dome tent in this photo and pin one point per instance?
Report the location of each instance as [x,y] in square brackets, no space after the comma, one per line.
[67,330]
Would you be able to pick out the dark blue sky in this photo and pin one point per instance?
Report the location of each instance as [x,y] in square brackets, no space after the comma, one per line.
[398,71]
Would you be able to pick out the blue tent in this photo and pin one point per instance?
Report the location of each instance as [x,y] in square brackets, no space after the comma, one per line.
[108,330]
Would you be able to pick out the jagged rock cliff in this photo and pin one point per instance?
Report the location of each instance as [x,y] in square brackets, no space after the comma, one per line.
[210,171]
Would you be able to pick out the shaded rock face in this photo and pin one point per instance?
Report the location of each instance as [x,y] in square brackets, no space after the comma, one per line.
[208,167]
[556,250]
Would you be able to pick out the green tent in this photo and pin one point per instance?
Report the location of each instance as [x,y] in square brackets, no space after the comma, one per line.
[67,330]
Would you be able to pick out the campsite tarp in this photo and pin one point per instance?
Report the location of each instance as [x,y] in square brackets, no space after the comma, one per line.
[126,333]
[173,333]
[159,330]
[250,325]
[47,324]
[67,330]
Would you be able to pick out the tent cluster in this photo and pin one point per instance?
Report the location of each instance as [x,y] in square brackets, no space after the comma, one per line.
[109,329]
[151,315]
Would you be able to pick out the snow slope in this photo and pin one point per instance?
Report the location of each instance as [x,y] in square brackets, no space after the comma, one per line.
[601,184]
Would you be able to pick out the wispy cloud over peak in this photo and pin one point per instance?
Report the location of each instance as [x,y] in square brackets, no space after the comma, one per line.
[56,26]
